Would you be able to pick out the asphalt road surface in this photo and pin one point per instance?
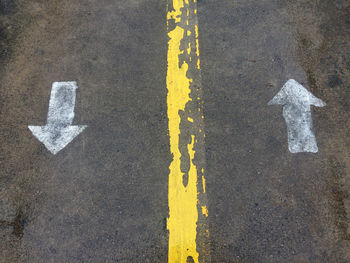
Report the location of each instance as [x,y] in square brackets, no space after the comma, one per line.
[182,159]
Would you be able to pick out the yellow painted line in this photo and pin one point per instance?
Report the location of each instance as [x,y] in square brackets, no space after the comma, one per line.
[203,183]
[205,211]
[198,61]
[183,200]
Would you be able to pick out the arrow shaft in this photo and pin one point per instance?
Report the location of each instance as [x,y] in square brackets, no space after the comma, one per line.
[296,101]
[58,131]
[299,125]
[62,103]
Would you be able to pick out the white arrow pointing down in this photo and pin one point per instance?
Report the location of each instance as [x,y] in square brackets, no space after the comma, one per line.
[59,131]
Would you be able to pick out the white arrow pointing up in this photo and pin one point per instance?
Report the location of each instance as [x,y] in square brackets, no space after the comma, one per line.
[296,101]
[59,131]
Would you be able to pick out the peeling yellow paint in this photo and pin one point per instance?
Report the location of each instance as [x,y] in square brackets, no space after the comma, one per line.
[183,214]
[189,49]
[205,211]
[197,45]
[183,201]
[203,184]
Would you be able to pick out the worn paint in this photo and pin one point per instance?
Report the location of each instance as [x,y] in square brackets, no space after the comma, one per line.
[205,211]
[59,131]
[184,201]
[203,183]
[296,101]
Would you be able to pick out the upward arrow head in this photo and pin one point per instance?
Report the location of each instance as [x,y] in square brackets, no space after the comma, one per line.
[294,93]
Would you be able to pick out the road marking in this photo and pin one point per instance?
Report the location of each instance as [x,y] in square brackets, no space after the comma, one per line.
[296,101]
[205,211]
[59,131]
[187,225]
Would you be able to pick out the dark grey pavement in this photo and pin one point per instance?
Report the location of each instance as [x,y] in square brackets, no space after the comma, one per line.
[104,197]
[268,205]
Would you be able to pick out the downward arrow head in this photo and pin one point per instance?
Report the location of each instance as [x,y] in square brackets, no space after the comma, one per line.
[56,138]
[58,132]
[294,93]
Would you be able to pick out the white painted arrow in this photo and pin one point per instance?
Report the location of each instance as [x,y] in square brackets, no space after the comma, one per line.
[296,101]
[59,131]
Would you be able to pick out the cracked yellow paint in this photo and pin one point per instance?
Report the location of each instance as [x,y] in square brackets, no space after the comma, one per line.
[205,211]
[203,183]
[183,201]
[197,44]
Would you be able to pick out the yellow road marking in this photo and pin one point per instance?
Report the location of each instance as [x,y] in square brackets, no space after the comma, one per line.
[183,198]
[203,182]
[205,211]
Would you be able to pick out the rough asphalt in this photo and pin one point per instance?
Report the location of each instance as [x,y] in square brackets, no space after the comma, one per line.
[104,197]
